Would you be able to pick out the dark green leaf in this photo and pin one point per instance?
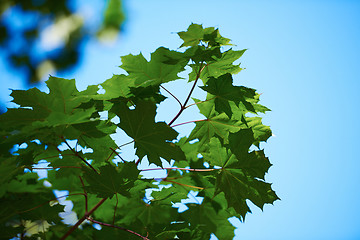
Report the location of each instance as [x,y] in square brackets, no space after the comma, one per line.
[151,139]
[111,180]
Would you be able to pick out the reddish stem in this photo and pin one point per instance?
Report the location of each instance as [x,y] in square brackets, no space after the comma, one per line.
[86,216]
[179,124]
[187,169]
[85,194]
[77,154]
[182,184]
[183,107]
[121,228]
[201,102]
[117,201]
[117,154]
[172,96]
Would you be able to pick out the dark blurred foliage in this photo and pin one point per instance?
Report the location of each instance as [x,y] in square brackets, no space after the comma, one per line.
[26,24]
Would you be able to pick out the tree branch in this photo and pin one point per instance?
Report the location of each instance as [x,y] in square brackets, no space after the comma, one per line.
[183,107]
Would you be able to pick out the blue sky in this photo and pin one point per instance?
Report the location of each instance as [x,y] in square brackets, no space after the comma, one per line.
[304,57]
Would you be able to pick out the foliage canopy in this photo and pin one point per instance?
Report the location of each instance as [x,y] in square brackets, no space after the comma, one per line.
[221,158]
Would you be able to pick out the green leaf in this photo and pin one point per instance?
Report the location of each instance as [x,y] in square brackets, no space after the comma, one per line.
[154,72]
[225,91]
[150,93]
[219,65]
[240,172]
[196,33]
[148,214]
[168,195]
[214,125]
[208,220]
[116,86]
[151,139]
[8,170]
[111,180]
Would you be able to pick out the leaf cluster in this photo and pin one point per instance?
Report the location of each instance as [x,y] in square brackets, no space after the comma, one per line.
[67,129]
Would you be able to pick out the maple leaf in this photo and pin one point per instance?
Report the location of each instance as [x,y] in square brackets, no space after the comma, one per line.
[196,33]
[220,125]
[214,125]
[111,180]
[116,86]
[168,195]
[240,170]
[154,72]
[225,91]
[151,139]
[209,220]
[218,65]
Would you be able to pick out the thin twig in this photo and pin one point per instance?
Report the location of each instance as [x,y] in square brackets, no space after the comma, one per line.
[83,218]
[172,96]
[188,97]
[121,228]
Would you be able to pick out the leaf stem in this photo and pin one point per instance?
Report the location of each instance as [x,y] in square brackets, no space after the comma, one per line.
[51,168]
[118,147]
[179,124]
[201,102]
[183,107]
[121,228]
[182,184]
[76,154]
[117,154]
[86,216]
[172,96]
[185,169]
[117,201]
[85,194]
[122,145]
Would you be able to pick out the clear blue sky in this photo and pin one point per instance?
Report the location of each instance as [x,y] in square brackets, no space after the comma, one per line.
[304,57]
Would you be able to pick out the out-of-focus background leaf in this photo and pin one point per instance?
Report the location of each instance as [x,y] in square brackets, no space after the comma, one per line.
[38,37]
